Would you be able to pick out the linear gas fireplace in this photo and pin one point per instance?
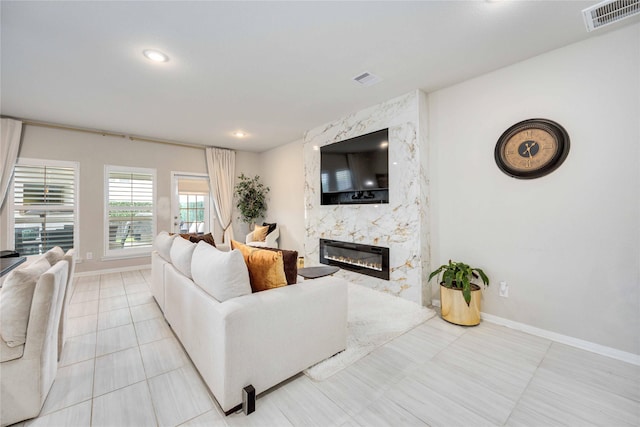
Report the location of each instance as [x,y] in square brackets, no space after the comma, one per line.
[364,259]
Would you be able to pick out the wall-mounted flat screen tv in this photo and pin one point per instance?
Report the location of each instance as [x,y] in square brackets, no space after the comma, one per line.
[356,170]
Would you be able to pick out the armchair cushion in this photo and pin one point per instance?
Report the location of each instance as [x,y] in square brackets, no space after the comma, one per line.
[260,233]
[54,255]
[163,243]
[15,301]
[272,226]
[10,353]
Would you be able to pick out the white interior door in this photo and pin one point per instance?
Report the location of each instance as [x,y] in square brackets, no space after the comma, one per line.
[191,209]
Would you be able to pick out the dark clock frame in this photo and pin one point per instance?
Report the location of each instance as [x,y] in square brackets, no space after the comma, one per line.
[561,135]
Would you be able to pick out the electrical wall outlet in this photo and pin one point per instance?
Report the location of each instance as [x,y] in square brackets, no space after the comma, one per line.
[89,255]
[504,289]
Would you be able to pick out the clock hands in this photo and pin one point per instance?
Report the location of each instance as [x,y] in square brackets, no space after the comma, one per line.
[529,147]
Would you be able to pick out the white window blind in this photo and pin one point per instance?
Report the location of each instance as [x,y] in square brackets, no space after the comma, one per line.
[44,206]
[130,209]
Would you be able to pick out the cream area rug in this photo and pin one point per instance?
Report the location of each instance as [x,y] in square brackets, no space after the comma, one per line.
[373,319]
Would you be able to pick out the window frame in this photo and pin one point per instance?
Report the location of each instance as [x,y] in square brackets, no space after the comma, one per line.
[11,207]
[128,252]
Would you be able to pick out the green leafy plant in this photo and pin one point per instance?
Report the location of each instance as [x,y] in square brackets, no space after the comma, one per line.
[458,275]
[252,198]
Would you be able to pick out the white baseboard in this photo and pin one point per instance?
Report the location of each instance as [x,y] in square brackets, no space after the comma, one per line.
[563,339]
[112,270]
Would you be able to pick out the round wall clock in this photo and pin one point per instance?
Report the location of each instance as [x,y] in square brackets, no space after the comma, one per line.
[532,148]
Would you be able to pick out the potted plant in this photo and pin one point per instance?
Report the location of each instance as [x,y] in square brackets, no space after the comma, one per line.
[459,297]
[252,198]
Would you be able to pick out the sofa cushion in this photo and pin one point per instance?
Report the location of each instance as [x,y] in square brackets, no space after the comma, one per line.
[260,233]
[10,353]
[195,238]
[266,268]
[223,275]
[54,255]
[290,260]
[181,252]
[15,301]
[162,244]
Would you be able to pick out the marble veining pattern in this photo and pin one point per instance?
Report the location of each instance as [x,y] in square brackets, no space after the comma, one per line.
[399,225]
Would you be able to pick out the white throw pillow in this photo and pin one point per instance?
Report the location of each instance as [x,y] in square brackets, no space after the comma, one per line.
[162,244]
[15,301]
[181,252]
[54,255]
[223,275]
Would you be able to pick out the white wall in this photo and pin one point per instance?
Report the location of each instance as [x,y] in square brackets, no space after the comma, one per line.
[249,164]
[93,151]
[283,173]
[568,243]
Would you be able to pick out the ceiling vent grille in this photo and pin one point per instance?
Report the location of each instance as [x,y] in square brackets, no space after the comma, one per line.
[609,12]
[368,79]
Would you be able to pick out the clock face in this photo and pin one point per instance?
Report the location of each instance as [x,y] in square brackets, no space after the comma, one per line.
[532,148]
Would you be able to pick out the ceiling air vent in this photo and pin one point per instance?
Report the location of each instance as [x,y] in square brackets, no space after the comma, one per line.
[609,12]
[368,79]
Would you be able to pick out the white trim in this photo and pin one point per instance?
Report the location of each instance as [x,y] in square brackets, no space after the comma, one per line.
[602,350]
[113,270]
[127,256]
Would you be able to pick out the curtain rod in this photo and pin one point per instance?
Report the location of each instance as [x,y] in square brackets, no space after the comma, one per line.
[103,133]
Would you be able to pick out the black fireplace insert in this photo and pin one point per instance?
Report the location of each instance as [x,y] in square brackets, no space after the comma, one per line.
[364,259]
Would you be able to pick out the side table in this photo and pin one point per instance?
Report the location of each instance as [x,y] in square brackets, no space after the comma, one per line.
[316,272]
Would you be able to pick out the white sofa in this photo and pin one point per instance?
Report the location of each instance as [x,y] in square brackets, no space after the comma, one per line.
[28,370]
[258,339]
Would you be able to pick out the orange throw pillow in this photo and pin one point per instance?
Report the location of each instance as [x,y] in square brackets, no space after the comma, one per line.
[266,268]
[260,233]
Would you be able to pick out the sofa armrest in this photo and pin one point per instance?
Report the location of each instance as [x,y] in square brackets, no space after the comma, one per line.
[272,335]
[266,337]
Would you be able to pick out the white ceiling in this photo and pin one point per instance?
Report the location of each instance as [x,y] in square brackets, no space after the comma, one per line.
[272,69]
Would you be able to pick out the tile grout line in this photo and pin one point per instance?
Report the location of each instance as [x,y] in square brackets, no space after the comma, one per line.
[533,375]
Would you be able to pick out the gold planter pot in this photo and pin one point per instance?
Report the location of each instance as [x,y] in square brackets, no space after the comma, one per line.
[455,309]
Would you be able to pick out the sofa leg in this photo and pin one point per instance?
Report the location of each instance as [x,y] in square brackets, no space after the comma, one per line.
[248,399]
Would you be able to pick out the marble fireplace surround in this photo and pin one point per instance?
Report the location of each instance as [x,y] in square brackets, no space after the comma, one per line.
[402,224]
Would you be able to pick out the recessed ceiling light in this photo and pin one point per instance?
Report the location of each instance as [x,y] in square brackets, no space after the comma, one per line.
[239,134]
[155,55]
[384,144]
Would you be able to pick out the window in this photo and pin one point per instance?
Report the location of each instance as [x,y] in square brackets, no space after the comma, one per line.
[44,197]
[193,212]
[191,203]
[130,210]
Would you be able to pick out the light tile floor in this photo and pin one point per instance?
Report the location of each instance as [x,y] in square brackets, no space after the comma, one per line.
[122,366]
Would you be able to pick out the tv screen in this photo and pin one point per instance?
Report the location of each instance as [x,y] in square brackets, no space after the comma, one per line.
[356,170]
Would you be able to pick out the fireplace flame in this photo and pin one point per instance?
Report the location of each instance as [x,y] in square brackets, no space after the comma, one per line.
[359,263]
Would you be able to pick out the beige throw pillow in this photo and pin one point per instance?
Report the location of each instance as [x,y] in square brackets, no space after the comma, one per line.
[260,233]
[15,301]
[223,275]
